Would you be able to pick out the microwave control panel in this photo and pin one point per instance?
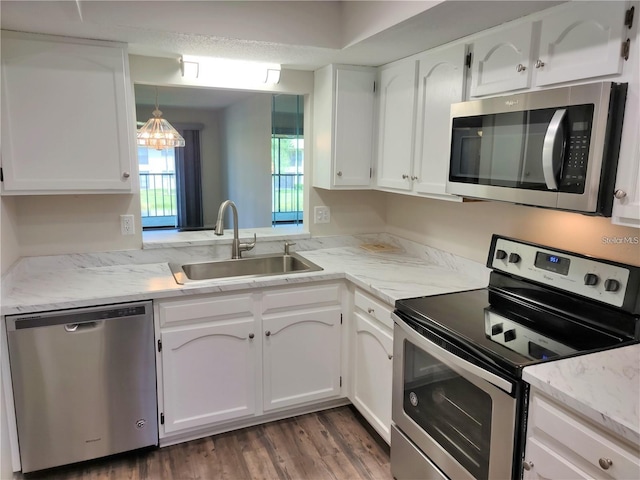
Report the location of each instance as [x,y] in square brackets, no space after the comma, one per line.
[576,150]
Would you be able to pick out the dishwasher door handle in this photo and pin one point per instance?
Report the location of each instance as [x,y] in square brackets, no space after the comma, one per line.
[75,327]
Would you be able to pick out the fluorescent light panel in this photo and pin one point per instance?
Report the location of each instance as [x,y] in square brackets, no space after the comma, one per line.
[224,71]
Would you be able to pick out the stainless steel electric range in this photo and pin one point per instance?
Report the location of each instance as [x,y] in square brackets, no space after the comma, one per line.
[459,402]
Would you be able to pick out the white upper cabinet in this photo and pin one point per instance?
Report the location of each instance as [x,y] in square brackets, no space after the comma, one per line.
[441,79]
[396,124]
[581,40]
[343,126]
[571,42]
[502,61]
[67,116]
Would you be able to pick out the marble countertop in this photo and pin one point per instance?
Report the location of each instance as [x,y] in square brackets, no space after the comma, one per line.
[69,281]
[603,386]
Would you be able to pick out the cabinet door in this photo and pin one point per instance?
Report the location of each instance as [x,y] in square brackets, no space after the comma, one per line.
[581,41]
[561,444]
[501,61]
[209,373]
[373,353]
[301,353]
[343,126]
[440,83]
[396,125]
[353,129]
[67,116]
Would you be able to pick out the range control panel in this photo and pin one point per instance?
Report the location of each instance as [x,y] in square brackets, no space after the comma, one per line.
[590,277]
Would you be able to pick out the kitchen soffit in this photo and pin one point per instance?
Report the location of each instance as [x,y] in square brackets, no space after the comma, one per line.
[300,35]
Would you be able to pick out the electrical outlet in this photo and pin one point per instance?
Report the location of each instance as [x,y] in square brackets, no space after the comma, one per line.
[127,226]
[321,214]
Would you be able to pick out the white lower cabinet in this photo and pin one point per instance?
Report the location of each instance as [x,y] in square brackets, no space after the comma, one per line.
[372,354]
[561,444]
[230,358]
[209,373]
[301,352]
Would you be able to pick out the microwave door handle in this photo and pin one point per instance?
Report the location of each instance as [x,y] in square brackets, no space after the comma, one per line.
[555,133]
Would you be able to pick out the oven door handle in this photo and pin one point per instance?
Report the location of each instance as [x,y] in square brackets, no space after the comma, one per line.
[449,358]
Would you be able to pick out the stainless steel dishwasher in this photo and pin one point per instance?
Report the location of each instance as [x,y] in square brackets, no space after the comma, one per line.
[84,383]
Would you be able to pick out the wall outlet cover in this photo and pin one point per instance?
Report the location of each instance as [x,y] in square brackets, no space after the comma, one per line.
[321,214]
[127,225]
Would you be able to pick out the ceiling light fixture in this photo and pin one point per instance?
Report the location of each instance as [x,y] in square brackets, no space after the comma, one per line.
[158,133]
[226,72]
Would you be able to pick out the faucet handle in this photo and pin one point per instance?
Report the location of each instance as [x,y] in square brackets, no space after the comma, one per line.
[288,244]
[243,247]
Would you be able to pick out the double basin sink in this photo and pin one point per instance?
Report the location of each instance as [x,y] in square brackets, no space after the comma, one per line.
[257,266]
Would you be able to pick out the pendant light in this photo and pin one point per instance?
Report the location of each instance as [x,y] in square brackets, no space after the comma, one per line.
[158,133]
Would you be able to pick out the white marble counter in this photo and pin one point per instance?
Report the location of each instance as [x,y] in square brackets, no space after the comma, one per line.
[603,386]
[39,284]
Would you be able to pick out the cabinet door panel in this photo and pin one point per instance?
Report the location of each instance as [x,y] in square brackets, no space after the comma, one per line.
[373,353]
[353,128]
[440,83]
[301,352]
[67,122]
[208,373]
[396,123]
[548,465]
[583,41]
[501,61]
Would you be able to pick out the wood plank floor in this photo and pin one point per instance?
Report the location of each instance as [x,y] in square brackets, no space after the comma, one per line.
[333,444]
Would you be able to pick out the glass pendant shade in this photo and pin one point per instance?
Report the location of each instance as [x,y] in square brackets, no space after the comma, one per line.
[159,134]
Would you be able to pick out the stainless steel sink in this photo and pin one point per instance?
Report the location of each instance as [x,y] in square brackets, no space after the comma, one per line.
[258,266]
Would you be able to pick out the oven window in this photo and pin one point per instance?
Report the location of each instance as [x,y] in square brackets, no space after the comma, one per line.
[452,410]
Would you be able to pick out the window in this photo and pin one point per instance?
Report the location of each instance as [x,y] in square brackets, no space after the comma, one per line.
[158,196]
[287,159]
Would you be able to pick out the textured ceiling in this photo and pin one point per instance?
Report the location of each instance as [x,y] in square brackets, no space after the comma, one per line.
[302,35]
[298,34]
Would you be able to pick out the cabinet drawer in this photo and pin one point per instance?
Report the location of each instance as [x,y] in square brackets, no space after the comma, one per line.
[274,301]
[378,310]
[193,310]
[585,445]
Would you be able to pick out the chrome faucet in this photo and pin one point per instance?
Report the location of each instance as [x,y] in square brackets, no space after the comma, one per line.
[236,247]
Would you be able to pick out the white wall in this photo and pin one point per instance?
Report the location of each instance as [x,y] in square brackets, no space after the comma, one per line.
[351,212]
[59,224]
[9,246]
[209,150]
[466,228]
[246,158]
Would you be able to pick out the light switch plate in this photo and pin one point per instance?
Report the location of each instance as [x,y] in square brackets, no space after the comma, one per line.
[321,214]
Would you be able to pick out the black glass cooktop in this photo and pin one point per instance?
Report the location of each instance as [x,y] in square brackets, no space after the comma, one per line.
[513,332]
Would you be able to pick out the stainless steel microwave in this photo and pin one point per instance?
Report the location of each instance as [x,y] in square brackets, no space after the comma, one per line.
[555,148]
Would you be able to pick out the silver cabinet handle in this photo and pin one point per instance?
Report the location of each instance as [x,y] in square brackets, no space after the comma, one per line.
[370,310]
[555,134]
[539,64]
[527,466]
[619,194]
[414,178]
[520,68]
[405,177]
[605,463]
[390,356]
[268,333]
[339,173]
[251,335]
[126,174]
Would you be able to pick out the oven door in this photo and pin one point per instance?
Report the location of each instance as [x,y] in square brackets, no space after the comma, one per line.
[461,416]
